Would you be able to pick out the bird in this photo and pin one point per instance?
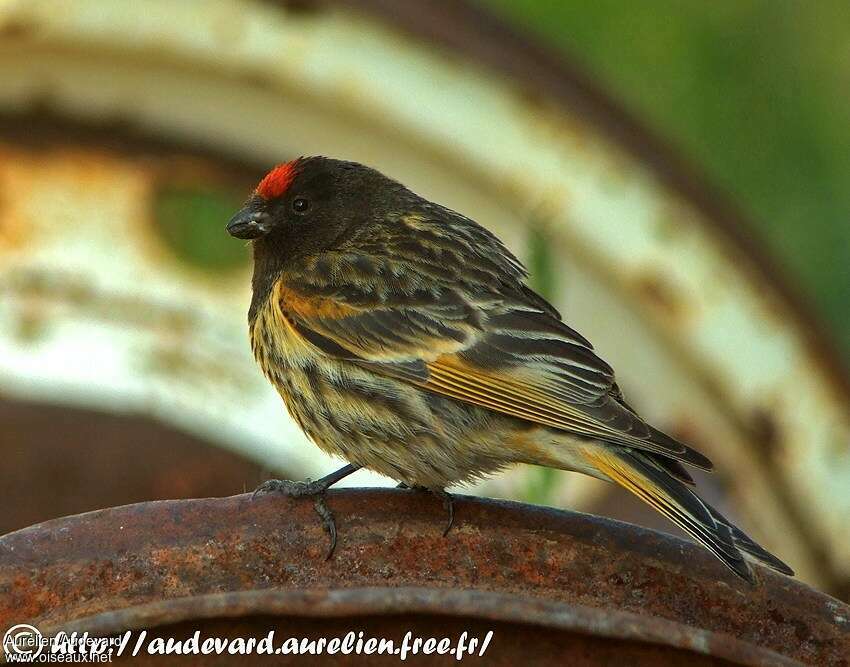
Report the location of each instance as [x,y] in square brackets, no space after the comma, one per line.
[404,338]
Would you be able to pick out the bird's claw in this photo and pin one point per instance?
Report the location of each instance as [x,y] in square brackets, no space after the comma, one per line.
[299,489]
[290,488]
[442,494]
[328,522]
[269,486]
[448,505]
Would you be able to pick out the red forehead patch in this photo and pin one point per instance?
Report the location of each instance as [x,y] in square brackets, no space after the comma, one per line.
[275,183]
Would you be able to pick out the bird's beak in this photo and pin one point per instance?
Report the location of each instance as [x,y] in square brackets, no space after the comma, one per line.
[249,223]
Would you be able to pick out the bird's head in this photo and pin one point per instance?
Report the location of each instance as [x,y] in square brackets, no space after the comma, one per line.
[306,204]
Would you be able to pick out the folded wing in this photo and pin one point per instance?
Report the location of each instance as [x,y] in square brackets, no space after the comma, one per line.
[459,321]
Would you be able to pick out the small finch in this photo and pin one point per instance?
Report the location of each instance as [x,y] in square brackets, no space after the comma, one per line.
[403,338]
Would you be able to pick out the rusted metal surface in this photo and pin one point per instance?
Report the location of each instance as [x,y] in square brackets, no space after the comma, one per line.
[524,628]
[174,562]
[469,114]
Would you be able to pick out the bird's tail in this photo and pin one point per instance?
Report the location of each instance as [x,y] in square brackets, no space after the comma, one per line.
[654,484]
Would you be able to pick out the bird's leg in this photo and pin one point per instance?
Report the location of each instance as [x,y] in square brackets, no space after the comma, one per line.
[448,505]
[442,494]
[317,488]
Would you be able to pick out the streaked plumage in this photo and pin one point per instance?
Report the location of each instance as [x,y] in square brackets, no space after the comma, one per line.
[403,338]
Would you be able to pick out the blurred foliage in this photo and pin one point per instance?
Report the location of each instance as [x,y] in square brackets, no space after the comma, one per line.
[755,92]
[191,221]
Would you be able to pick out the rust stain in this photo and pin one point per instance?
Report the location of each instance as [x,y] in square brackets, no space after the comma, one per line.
[156,564]
[765,432]
[16,30]
[657,291]
[12,227]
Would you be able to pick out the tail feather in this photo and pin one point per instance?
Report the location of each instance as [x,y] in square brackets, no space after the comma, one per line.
[675,469]
[744,543]
[664,490]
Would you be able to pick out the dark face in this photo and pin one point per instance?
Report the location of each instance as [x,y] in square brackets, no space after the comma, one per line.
[305,206]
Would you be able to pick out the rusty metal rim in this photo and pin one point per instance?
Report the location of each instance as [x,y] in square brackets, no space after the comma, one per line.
[76,569]
[474,32]
[383,601]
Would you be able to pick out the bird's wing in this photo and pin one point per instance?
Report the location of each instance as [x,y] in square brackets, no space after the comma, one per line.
[464,327]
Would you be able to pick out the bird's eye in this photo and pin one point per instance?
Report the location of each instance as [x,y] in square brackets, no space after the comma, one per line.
[299,204]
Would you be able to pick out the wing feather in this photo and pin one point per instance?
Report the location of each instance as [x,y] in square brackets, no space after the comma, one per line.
[468,328]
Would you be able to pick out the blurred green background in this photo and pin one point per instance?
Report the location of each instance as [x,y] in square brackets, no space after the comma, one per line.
[754,92]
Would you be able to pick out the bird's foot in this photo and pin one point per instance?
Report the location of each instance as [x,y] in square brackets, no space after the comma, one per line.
[442,494]
[296,489]
[316,489]
[291,488]
[448,505]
